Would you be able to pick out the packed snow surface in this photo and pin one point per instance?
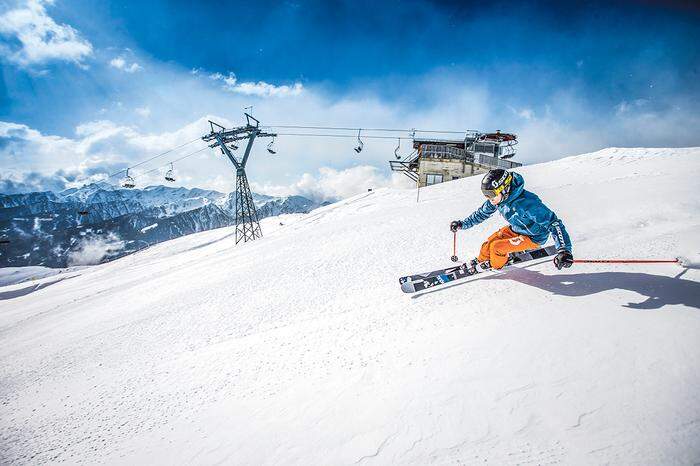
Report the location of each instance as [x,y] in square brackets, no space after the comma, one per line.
[12,275]
[301,349]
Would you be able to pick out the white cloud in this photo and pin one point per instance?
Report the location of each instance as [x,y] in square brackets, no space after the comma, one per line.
[561,125]
[145,112]
[260,88]
[99,148]
[524,113]
[627,107]
[15,183]
[90,250]
[331,183]
[264,89]
[102,147]
[121,64]
[40,38]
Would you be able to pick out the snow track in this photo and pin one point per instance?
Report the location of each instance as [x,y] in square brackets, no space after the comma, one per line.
[301,348]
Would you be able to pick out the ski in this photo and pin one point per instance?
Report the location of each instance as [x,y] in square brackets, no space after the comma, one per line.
[419,282]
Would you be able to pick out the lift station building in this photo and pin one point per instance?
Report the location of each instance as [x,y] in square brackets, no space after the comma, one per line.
[438,160]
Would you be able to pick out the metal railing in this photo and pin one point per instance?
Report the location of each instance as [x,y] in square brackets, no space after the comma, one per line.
[410,169]
[452,152]
[494,162]
[439,151]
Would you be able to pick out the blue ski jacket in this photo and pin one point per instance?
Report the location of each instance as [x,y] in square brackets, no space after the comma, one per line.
[526,214]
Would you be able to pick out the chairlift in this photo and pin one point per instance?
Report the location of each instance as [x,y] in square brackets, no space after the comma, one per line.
[360,145]
[233,146]
[170,174]
[83,212]
[4,241]
[128,182]
[396,151]
[270,147]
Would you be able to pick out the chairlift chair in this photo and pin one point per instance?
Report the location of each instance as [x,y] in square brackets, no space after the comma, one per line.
[170,174]
[396,151]
[270,147]
[128,181]
[360,145]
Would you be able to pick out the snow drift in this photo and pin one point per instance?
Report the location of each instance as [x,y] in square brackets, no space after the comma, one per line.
[301,349]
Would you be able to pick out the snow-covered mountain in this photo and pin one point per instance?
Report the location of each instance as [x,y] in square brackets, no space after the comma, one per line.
[300,348]
[51,229]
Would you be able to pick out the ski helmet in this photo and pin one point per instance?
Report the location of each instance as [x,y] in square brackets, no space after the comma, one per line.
[496,182]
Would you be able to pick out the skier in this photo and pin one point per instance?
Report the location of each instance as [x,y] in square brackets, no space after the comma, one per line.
[531,222]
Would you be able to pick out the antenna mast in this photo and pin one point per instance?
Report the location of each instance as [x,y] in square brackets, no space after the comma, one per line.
[247,223]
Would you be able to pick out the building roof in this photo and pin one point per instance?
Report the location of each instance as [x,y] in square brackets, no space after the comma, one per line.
[456,142]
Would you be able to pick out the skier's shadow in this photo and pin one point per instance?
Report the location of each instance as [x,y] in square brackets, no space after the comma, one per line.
[30,288]
[659,290]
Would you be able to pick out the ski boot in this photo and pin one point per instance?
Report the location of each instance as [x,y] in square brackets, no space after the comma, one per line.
[474,266]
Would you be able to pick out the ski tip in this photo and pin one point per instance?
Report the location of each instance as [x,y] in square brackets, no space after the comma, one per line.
[407,287]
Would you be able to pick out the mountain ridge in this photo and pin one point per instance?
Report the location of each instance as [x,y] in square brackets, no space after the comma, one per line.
[45,228]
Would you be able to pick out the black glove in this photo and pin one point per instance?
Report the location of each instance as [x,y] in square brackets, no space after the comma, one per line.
[456,225]
[563,259]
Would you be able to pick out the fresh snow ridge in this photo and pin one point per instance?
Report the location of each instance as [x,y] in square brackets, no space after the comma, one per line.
[301,349]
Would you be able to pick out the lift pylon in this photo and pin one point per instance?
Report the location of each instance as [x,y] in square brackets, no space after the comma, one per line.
[247,223]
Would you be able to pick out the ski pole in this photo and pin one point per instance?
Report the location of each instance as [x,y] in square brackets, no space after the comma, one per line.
[625,261]
[454,248]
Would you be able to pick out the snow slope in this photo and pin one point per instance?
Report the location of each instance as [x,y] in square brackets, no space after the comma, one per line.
[12,275]
[301,349]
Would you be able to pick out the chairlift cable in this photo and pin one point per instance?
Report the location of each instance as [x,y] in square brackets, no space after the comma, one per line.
[153,158]
[411,131]
[352,136]
[164,153]
[395,130]
[171,162]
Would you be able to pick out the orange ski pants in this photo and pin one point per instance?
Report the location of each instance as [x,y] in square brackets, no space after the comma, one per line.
[499,244]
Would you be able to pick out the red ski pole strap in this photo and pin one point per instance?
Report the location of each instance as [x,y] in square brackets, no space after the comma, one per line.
[625,261]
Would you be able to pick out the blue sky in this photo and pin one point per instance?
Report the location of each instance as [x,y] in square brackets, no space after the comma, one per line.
[92,86]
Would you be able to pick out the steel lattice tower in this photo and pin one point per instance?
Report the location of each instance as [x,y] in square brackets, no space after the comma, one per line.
[247,224]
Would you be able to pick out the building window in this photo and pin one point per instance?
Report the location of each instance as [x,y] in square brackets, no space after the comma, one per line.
[485,148]
[431,178]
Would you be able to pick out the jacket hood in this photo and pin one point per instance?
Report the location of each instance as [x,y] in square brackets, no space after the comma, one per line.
[517,186]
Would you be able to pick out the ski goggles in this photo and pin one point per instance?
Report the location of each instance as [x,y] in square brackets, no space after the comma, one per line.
[503,188]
